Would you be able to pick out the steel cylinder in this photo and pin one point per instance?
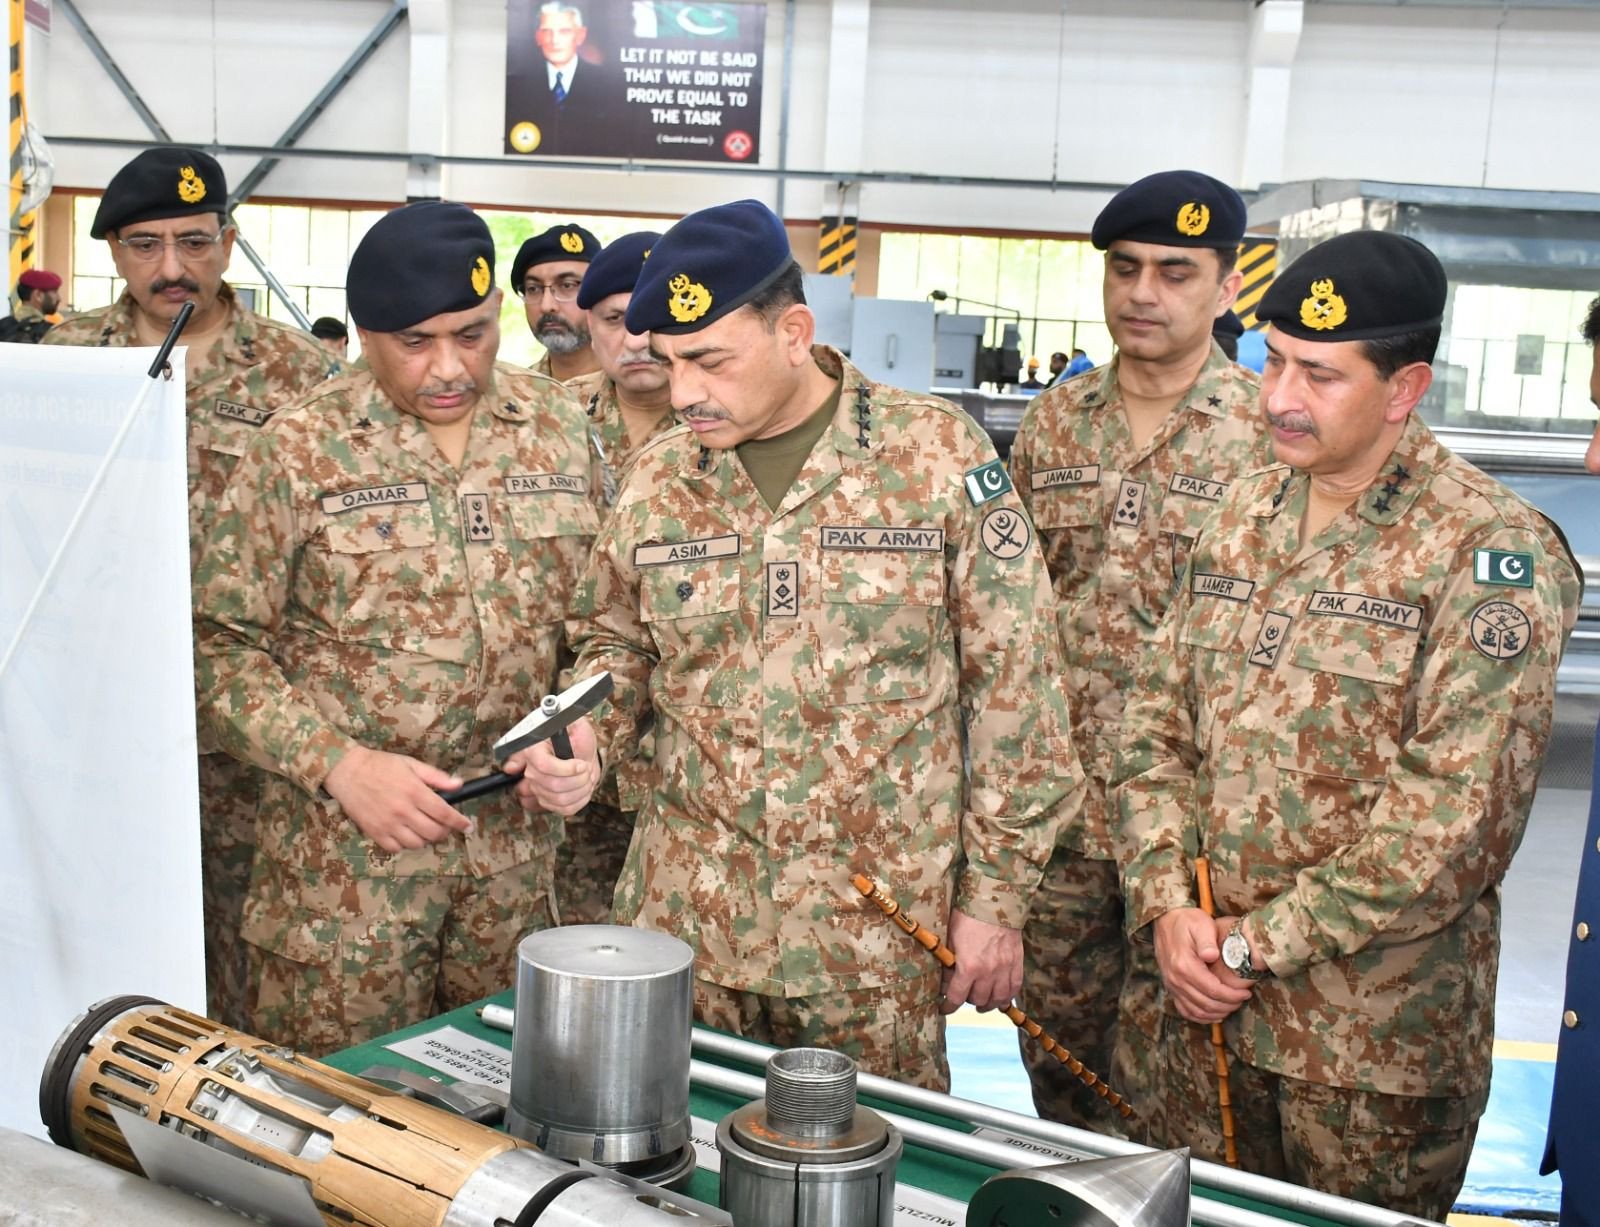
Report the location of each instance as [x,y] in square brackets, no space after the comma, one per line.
[807,1155]
[600,1046]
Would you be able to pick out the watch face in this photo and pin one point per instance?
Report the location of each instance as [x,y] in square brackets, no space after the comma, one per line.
[1234,952]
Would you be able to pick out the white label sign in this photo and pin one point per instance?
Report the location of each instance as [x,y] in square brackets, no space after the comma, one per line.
[454,1052]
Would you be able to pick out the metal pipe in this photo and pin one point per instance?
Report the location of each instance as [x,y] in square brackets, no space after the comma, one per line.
[313,109]
[272,281]
[1203,1211]
[783,112]
[1080,1141]
[98,50]
[624,166]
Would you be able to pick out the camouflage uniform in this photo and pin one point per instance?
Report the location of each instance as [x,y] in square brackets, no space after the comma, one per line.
[255,366]
[809,671]
[591,855]
[359,590]
[1117,521]
[1351,731]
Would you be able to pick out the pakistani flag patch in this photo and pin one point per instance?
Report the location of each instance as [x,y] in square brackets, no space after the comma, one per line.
[987,481]
[1502,567]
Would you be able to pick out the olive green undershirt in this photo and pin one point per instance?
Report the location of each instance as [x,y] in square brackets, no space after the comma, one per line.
[774,463]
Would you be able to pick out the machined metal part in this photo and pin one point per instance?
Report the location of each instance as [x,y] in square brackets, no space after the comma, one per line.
[1149,1190]
[807,1155]
[181,1098]
[1204,1175]
[600,1046]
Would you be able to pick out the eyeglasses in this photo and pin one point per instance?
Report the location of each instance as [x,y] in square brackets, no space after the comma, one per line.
[146,247]
[565,290]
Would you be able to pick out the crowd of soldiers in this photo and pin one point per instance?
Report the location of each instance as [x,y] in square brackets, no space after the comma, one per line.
[1269,621]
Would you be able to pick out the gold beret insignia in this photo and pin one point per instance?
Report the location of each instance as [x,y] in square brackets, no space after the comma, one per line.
[689,299]
[1323,309]
[191,187]
[571,242]
[480,277]
[1193,219]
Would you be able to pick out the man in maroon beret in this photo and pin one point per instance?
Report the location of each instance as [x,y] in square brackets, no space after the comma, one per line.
[38,296]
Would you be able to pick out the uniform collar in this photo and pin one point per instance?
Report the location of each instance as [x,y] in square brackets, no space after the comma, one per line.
[1204,395]
[853,435]
[1398,486]
[240,333]
[376,412]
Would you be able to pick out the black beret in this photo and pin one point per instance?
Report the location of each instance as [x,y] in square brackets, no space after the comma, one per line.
[1176,208]
[712,262]
[1357,287]
[418,261]
[1228,325]
[616,269]
[568,242]
[165,182]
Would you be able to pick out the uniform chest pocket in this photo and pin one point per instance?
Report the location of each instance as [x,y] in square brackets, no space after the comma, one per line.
[882,625]
[547,541]
[695,614]
[383,572]
[1070,520]
[1353,677]
[1182,516]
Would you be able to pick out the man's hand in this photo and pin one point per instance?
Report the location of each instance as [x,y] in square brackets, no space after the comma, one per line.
[560,785]
[988,970]
[391,799]
[1188,943]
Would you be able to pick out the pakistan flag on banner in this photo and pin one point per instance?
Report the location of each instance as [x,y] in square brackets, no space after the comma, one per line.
[677,18]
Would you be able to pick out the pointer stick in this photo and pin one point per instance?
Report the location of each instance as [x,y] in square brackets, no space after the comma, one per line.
[1202,874]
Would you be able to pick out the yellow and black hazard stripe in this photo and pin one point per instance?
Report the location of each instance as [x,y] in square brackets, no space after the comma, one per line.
[1258,263]
[19,225]
[836,246]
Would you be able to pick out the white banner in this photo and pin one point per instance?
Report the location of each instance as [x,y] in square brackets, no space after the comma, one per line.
[99,812]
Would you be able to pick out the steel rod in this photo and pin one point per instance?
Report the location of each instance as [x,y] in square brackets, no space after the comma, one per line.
[1083,1142]
[272,281]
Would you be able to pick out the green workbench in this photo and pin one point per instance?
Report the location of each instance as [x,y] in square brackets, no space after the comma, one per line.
[925,1169]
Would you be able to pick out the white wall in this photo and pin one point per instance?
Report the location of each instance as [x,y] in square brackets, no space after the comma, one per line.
[954,88]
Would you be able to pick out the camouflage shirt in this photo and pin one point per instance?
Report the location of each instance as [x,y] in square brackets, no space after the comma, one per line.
[254,367]
[810,672]
[1352,731]
[1117,521]
[610,433]
[358,590]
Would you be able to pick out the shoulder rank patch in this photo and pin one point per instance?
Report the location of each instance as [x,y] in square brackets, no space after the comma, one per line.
[1005,533]
[1502,567]
[1500,630]
[987,482]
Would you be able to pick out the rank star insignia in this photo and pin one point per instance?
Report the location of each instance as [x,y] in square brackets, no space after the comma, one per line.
[191,187]
[480,277]
[987,482]
[1214,401]
[1323,309]
[364,424]
[571,242]
[689,299]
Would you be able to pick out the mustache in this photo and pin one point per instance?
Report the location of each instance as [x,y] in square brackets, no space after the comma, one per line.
[703,413]
[1299,422]
[454,387]
[639,358]
[550,320]
[161,284]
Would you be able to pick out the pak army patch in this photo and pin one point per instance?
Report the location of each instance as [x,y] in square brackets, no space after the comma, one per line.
[1006,534]
[987,482]
[1500,630]
[1502,567]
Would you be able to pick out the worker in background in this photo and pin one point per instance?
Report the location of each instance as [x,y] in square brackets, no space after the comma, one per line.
[631,405]
[1572,1143]
[164,218]
[333,333]
[546,274]
[1079,364]
[380,599]
[828,597]
[1032,383]
[38,297]
[1119,468]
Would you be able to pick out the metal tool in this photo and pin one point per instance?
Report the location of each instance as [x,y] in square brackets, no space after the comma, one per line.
[807,1155]
[473,1100]
[600,1047]
[555,713]
[930,941]
[1148,1190]
[144,1085]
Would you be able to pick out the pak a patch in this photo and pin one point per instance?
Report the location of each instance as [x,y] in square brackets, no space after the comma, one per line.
[987,482]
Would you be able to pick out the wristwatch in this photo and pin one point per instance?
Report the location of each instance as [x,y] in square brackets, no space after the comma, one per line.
[1236,954]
